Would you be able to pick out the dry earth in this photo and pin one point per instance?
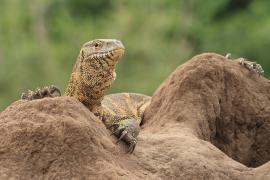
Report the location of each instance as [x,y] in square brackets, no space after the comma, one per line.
[209,120]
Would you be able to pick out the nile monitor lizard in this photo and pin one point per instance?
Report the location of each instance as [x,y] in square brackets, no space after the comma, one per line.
[94,73]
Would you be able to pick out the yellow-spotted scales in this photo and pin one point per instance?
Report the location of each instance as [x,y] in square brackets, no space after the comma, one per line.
[93,74]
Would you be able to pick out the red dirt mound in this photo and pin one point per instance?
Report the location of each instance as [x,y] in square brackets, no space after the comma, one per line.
[209,120]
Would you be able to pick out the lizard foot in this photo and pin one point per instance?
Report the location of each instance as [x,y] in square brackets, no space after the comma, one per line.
[126,130]
[252,66]
[48,91]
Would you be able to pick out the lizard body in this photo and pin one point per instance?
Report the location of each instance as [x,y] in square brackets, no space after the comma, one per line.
[134,105]
[123,114]
[93,74]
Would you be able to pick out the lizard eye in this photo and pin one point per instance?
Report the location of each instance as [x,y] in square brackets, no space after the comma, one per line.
[97,44]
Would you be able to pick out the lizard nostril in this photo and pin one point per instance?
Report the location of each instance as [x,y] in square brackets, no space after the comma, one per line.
[119,44]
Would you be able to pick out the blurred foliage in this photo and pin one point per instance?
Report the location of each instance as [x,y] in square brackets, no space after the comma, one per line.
[40,39]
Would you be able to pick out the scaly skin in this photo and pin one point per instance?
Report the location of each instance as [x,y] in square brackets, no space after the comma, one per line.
[47,91]
[123,114]
[251,66]
[93,74]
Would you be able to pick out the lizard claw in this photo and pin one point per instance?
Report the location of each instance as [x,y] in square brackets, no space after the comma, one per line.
[127,130]
[252,66]
[48,91]
[123,134]
[228,56]
[132,146]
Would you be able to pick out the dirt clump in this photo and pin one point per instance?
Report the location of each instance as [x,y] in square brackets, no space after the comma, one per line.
[219,101]
[210,119]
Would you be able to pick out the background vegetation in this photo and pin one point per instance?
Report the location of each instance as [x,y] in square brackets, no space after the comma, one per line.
[40,39]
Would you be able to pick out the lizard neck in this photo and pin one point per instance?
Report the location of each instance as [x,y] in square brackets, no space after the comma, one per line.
[88,84]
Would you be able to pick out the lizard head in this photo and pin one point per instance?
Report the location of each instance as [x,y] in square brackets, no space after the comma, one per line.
[94,71]
[102,52]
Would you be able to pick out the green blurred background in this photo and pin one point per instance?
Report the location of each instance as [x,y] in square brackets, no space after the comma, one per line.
[40,39]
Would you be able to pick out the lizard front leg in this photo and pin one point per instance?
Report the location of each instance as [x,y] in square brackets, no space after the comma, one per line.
[47,91]
[251,66]
[126,130]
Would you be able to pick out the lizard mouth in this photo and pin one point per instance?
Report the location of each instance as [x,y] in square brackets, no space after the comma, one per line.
[113,55]
[117,54]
